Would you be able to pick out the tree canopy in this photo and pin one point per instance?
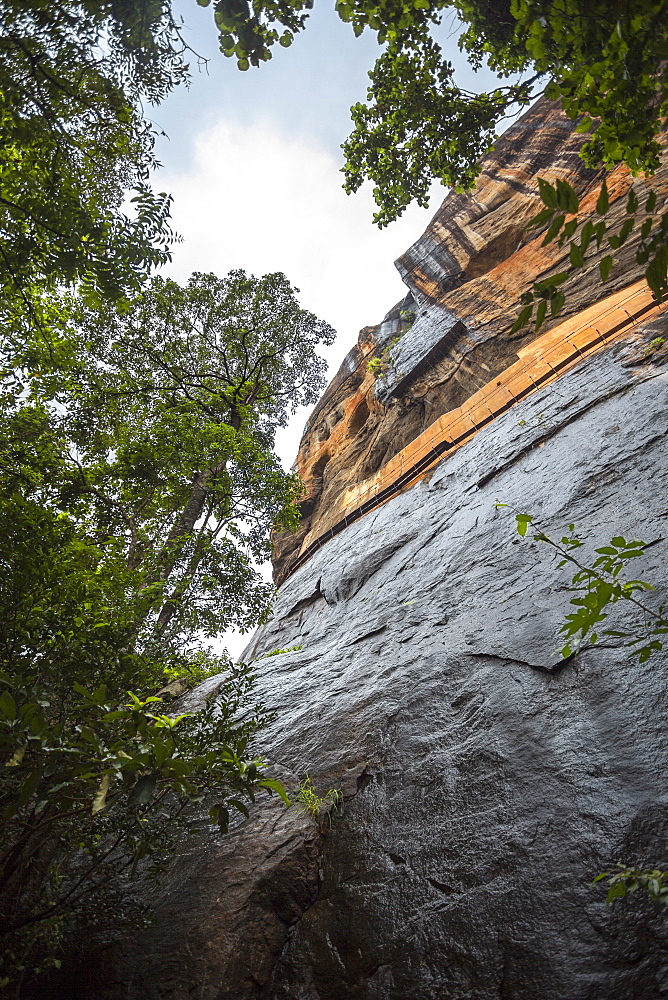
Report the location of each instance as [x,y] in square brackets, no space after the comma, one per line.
[139,481]
[604,60]
[139,485]
[74,140]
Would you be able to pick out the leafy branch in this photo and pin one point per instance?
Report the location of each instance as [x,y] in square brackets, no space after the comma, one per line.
[600,585]
[596,587]
[627,880]
[560,213]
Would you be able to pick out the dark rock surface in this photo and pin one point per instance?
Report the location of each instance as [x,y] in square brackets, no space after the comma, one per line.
[498,791]
[483,791]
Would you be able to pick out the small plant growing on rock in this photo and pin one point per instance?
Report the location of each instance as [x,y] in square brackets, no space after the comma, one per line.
[380,366]
[279,652]
[407,319]
[377,367]
[314,804]
[653,345]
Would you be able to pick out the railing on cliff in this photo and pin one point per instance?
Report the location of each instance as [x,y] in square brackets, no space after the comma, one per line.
[542,361]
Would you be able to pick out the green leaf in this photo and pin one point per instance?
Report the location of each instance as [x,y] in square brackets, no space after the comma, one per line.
[586,235]
[576,255]
[240,807]
[624,231]
[552,232]
[553,280]
[557,303]
[276,786]
[7,706]
[603,201]
[142,792]
[645,230]
[220,814]
[604,267]
[29,786]
[523,522]
[656,273]
[548,194]
[567,198]
[568,231]
[163,749]
[539,220]
[540,315]
[616,891]
[522,319]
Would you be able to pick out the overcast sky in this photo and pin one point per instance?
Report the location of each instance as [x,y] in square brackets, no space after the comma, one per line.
[253,161]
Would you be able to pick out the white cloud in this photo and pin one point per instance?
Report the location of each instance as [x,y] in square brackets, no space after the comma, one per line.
[265,201]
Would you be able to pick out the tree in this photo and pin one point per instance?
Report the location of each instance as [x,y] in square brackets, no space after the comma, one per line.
[604,61]
[74,140]
[139,485]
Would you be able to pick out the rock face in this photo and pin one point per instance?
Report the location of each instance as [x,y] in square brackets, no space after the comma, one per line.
[501,782]
[485,781]
[453,332]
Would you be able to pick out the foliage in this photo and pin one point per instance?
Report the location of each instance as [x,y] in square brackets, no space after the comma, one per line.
[600,585]
[279,652]
[314,804]
[626,880]
[74,140]
[561,215]
[407,317]
[377,367]
[417,126]
[381,365]
[139,485]
[605,61]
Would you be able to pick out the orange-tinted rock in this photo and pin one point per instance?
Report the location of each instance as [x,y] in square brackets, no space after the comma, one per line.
[465,276]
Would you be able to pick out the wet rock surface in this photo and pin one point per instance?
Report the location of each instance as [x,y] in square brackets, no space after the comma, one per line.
[485,783]
[498,790]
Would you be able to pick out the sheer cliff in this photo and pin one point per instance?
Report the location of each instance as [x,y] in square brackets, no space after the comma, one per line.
[485,782]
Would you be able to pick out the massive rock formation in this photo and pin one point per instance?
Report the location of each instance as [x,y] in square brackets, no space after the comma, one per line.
[485,781]
[452,333]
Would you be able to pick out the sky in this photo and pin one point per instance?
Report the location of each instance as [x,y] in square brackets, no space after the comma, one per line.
[253,162]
